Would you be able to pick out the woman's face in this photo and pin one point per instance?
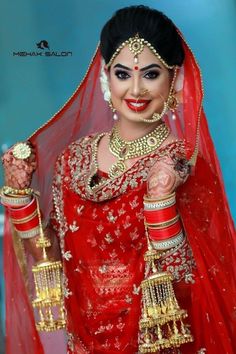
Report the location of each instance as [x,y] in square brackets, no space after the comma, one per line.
[138,90]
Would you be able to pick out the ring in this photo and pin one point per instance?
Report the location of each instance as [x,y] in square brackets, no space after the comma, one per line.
[21,151]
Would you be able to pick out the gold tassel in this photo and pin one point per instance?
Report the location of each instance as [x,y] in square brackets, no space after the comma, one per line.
[48,286]
[162,319]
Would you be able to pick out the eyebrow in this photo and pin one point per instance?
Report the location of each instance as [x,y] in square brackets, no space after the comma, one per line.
[143,69]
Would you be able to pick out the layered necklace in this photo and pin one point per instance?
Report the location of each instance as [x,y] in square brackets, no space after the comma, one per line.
[125,150]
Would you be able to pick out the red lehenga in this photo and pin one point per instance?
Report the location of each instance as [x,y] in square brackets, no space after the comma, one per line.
[101,232]
[103,241]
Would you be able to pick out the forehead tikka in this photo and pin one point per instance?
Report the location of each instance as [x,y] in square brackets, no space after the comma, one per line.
[136,46]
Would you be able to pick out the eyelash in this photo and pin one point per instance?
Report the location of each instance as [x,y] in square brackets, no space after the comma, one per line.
[123,75]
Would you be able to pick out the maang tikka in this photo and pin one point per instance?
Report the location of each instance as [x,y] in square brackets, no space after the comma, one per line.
[136,46]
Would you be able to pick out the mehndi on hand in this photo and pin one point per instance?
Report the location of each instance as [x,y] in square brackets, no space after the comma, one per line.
[18,172]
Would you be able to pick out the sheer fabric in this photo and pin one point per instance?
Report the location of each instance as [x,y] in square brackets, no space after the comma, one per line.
[202,205]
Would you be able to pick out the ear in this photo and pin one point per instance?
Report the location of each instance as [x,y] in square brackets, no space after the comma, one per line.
[107,71]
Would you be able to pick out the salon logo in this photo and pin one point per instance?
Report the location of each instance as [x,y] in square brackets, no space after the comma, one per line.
[43,44]
[42,50]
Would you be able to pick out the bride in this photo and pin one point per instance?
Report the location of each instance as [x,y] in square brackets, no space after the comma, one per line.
[125,201]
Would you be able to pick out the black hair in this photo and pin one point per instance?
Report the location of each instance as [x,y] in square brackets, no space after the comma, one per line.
[150,24]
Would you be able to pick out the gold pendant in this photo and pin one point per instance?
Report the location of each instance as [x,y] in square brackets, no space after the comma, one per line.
[21,151]
[117,169]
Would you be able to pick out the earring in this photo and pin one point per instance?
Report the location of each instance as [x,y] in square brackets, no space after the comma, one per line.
[172,104]
[115,116]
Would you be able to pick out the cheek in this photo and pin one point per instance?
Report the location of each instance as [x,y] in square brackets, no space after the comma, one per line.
[161,87]
[118,89]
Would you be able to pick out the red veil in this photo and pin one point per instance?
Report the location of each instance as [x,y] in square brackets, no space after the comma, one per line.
[201,200]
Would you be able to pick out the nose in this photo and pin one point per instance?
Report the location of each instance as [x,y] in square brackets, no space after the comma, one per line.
[136,88]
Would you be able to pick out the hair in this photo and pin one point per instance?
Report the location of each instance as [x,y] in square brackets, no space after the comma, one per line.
[150,24]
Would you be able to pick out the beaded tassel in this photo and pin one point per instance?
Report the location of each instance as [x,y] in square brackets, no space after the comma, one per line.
[161,321]
[47,279]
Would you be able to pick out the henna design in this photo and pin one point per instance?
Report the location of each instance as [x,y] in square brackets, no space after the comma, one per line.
[161,180]
[166,175]
[18,173]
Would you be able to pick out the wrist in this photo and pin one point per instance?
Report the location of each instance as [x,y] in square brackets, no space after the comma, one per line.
[162,221]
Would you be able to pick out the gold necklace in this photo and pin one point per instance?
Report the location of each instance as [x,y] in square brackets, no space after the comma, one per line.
[125,150]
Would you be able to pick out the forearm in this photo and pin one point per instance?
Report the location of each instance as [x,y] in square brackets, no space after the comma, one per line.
[53,252]
[25,216]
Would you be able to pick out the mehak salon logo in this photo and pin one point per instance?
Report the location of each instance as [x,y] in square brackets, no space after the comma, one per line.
[44,51]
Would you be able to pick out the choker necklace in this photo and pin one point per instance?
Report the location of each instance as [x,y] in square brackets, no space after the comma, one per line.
[125,150]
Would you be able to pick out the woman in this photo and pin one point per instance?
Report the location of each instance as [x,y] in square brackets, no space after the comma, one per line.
[160,141]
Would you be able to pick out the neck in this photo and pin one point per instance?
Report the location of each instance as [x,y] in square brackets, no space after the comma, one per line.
[132,130]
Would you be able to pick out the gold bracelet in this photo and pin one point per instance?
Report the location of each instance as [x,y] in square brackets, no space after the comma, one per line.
[157,204]
[152,200]
[14,192]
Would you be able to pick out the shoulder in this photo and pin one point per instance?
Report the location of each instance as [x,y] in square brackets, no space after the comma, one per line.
[80,145]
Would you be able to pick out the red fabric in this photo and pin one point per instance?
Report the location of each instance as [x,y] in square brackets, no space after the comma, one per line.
[103,244]
[210,300]
[21,334]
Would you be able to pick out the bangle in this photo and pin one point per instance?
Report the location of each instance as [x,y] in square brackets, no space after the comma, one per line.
[162,221]
[24,220]
[10,191]
[23,212]
[159,204]
[164,224]
[11,202]
[169,243]
[29,233]
[161,215]
[165,233]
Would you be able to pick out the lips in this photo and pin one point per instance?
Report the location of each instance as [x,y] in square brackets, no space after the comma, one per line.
[137,105]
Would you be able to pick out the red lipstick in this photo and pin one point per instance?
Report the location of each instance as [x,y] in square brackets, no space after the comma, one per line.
[137,105]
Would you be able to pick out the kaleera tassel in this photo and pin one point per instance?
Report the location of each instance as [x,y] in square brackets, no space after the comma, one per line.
[161,322]
[48,286]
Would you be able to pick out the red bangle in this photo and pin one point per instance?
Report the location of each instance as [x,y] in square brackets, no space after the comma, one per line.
[162,215]
[165,233]
[23,212]
[28,225]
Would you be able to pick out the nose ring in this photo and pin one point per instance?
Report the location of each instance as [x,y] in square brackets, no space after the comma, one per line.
[143,92]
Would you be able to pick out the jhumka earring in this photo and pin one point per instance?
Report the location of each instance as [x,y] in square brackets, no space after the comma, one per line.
[173,104]
[172,101]
[115,115]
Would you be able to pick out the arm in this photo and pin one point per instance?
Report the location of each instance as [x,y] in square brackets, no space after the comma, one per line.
[18,176]
[165,229]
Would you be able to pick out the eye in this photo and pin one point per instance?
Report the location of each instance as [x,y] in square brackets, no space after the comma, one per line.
[122,75]
[152,75]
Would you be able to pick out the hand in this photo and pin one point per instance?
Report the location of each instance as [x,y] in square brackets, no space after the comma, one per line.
[164,177]
[18,172]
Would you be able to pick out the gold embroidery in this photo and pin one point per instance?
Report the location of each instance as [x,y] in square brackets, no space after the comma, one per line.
[74,227]
[83,166]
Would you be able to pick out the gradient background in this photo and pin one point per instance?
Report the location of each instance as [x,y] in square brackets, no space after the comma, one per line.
[34,88]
